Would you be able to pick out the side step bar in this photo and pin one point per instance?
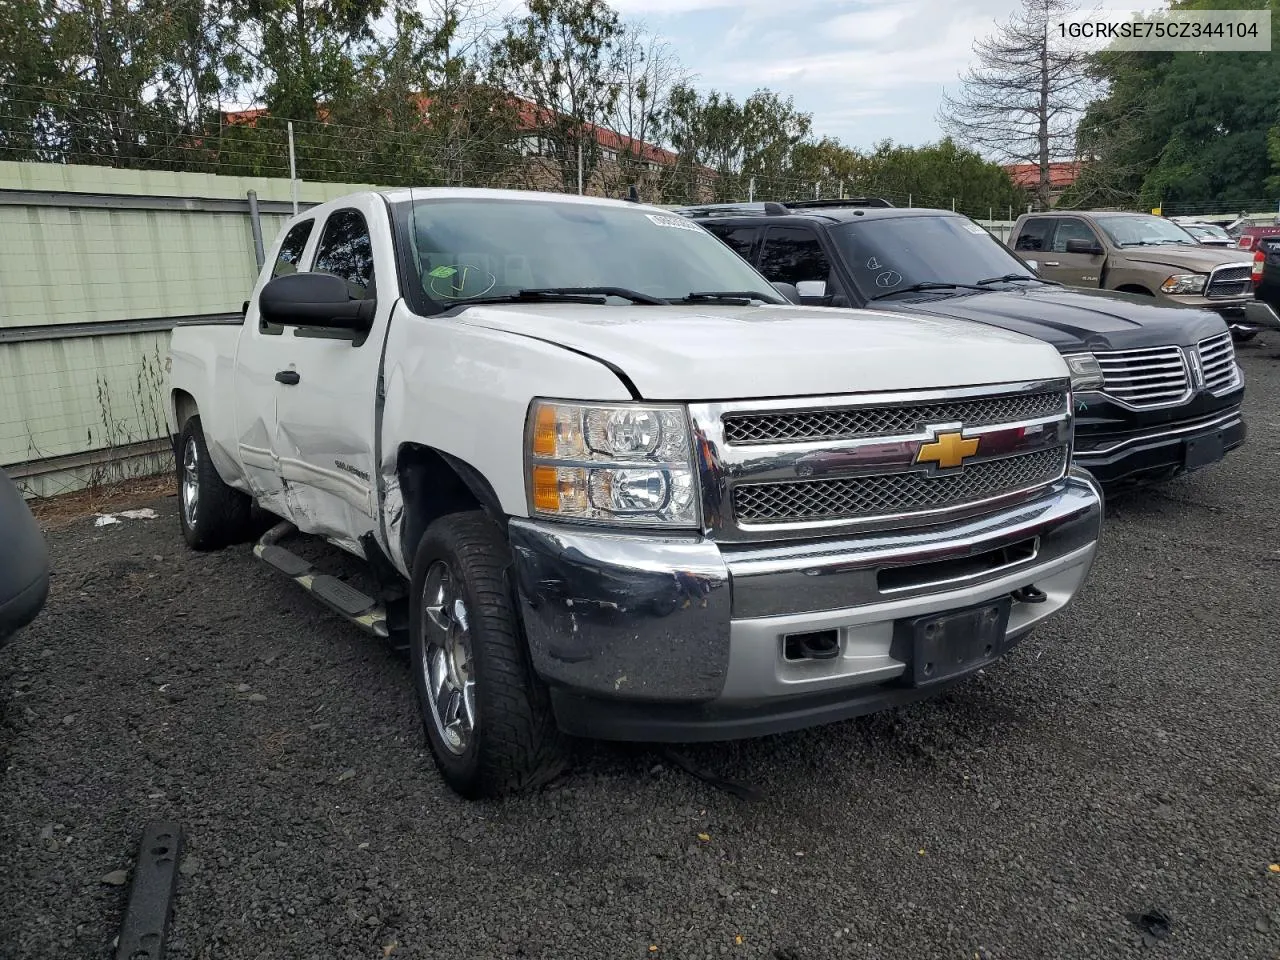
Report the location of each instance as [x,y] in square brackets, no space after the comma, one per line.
[362,610]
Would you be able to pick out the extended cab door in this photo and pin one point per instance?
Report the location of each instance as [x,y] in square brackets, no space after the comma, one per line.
[327,385]
[1073,269]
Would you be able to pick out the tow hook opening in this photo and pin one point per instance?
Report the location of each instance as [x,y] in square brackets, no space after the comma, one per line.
[819,645]
[1029,594]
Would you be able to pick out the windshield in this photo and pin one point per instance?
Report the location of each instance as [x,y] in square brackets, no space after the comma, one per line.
[1141,230]
[893,253]
[1206,231]
[469,249]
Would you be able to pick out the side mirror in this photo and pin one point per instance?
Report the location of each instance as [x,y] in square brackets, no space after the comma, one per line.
[314,300]
[812,288]
[1083,246]
[788,290]
[1033,264]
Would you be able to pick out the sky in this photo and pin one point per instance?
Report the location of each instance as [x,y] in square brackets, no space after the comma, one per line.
[867,70]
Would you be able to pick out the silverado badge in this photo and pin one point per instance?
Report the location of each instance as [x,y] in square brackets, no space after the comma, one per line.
[947,451]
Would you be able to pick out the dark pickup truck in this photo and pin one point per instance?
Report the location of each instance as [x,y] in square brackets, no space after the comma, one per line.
[24,562]
[1157,387]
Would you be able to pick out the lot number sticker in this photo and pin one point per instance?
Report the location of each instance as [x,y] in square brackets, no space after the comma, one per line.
[679,223]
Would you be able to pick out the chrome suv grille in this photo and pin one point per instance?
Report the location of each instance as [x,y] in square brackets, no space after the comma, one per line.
[1218,362]
[1233,281]
[861,497]
[1149,377]
[806,426]
[807,467]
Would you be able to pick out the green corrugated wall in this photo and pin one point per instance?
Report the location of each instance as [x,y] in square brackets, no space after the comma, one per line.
[68,264]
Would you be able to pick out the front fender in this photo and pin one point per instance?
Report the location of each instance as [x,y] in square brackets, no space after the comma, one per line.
[465,392]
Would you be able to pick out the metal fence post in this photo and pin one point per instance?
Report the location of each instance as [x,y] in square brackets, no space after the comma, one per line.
[255,224]
[751,191]
[908,199]
[293,172]
[579,164]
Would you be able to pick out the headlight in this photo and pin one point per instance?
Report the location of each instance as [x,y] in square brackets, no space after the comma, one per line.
[616,463]
[1086,374]
[1185,283]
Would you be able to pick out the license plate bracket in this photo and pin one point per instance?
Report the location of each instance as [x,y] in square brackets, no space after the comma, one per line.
[942,646]
[1203,450]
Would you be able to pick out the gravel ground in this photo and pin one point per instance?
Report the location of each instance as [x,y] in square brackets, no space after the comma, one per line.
[1124,759]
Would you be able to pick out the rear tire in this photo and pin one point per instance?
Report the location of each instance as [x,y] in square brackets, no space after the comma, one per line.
[213,515]
[487,715]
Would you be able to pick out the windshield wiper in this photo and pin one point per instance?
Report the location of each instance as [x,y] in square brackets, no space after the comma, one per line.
[735,297]
[589,295]
[635,296]
[926,285]
[1016,276]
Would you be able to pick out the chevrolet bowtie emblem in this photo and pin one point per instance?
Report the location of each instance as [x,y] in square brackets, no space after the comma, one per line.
[948,450]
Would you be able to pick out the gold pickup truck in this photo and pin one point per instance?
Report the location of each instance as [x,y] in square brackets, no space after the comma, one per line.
[1145,255]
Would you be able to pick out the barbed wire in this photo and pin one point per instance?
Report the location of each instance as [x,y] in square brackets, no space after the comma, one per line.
[37,125]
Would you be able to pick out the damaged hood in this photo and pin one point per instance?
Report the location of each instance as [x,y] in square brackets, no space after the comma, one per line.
[711,352]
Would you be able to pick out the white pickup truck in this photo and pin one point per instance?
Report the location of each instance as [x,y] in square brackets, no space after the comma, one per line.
[610,482]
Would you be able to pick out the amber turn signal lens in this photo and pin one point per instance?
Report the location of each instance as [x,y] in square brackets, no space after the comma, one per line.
[546,489]
[544,432]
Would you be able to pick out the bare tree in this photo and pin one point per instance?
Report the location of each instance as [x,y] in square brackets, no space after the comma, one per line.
[562,57]
[647,73]
[1022,101]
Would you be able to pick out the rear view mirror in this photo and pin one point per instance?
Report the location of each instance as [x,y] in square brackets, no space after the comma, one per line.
[314,300]
[1090,247]
[788,290]
[812,288]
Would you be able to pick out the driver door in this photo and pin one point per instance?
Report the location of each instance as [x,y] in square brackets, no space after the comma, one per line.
[1073,269]
[327,383]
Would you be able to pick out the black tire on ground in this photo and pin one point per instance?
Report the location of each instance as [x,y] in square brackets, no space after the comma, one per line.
[217,515]
[514,744]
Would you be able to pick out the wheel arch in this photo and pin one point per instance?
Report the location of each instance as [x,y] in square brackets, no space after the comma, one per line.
[433,484]
[1134,288]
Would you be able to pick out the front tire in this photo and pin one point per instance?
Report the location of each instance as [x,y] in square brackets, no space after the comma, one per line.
[213,515]
[487,715]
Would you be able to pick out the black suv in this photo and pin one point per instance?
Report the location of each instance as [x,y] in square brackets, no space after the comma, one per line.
[1157,386]
[24,562]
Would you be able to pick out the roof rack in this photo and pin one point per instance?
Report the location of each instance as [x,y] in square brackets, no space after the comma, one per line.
[845,202]
[770,208]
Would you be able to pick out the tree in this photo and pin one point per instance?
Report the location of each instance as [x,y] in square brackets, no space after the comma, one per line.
[740,144]
[1181,128]
[1273,151]
[563,56]
[1021,102]
[938,175]
[648,73]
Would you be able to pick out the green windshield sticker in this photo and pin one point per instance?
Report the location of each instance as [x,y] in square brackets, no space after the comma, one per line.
[459,282]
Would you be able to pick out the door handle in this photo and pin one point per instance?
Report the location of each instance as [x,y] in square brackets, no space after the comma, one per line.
[289,377]
[1051,263]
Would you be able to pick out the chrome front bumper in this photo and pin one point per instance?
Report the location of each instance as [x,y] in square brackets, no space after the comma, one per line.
[683,622]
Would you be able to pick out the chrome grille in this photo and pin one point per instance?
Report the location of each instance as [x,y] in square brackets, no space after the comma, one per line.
[1149,377]
[1218,362]
[1233,281]
[888,494]
[805,426]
